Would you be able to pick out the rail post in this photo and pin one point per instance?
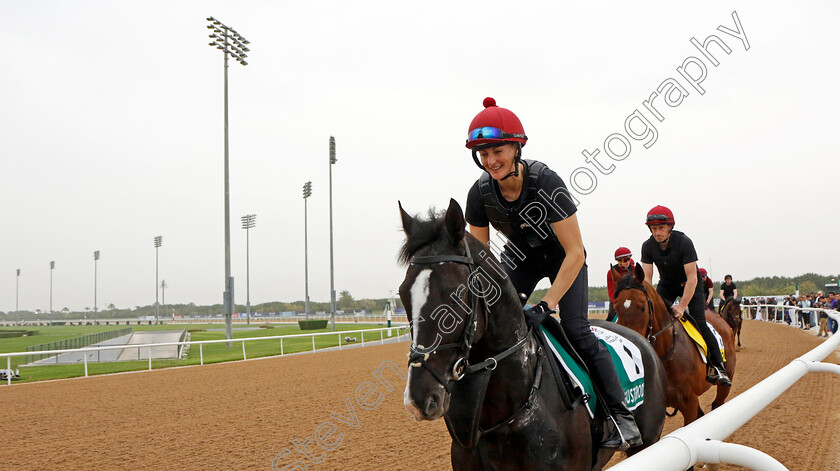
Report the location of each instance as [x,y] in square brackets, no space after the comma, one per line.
[244,357]
[201,353]
[86,371]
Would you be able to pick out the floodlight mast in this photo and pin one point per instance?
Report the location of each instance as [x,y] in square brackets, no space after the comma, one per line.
[232,43]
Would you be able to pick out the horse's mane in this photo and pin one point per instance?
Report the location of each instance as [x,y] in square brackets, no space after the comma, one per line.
[423,233]
[628,281]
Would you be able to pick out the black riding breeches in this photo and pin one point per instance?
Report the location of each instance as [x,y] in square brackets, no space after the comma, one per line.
[697,313]
[574,318]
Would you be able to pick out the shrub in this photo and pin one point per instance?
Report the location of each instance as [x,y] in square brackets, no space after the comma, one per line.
[312,324]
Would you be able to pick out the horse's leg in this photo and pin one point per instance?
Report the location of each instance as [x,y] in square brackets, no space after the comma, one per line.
[464,459]
[690,408]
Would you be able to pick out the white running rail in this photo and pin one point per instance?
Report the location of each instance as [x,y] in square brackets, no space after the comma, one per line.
[398,328]
[701,441]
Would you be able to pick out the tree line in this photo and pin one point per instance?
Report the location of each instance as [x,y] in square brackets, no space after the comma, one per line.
[345,302]
[760,286]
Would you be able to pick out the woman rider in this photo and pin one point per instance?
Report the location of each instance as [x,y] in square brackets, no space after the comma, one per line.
[708,289]
[530,205]
[674,256]
[624,265]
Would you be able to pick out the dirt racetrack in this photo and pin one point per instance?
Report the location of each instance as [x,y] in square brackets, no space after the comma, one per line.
[249,415]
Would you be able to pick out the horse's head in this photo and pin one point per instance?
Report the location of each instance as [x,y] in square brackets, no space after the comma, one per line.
[448,288]
[635,300]
[732,310]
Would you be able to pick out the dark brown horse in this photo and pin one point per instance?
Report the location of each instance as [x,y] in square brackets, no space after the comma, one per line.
[474,362]
[640,308]
[731,313]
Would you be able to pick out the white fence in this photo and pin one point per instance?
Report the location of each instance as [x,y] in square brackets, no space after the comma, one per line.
[381,338]
[701,441]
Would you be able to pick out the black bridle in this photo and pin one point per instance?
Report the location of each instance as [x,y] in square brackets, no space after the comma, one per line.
[649,332]
[462,366]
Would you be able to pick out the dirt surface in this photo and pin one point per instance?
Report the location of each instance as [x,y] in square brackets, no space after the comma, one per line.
[246,415]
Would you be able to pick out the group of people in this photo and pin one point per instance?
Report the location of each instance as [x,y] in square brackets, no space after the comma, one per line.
[531,206]
[807,316]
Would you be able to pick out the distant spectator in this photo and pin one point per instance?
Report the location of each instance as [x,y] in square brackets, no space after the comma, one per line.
[834,304]
[823,318]
[788,317]
[804,313]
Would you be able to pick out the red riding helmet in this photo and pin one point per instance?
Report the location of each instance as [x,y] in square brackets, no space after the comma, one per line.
[703,272]
[659,215]
[623,252]
[495,126]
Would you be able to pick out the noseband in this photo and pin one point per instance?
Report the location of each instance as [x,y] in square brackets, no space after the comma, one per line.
[464,343]
[649,333]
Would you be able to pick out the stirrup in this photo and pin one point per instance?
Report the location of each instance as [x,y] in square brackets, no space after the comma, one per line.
[717,376]
[617,439]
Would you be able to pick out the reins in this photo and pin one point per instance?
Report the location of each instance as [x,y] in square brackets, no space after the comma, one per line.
[651,337]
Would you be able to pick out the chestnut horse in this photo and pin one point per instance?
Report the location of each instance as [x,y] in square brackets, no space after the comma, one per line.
[640,308]
[731,313]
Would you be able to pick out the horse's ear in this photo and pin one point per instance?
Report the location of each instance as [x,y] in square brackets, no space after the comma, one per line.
[455,223]
[614,273]
[407,221]
[639,272]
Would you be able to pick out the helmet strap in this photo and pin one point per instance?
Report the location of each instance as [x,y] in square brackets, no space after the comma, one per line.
[476,160]
[515,172]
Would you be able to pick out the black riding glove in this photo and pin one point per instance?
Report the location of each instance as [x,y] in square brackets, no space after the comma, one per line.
[536,314]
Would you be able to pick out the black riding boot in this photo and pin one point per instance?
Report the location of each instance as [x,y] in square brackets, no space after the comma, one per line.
[624,432]
[717,375]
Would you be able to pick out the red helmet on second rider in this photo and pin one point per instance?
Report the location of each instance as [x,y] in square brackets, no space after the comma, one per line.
[703,272]
[495,126]
[623,252]
[659,215]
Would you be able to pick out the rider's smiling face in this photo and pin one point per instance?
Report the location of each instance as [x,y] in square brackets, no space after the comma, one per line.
[660,232]
[498,160]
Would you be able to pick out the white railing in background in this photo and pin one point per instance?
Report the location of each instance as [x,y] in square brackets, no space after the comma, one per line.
[201,343]
[701,441]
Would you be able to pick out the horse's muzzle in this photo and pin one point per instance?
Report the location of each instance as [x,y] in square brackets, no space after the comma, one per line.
[428,405]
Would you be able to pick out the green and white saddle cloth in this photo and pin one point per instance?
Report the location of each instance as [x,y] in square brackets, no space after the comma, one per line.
[626,357]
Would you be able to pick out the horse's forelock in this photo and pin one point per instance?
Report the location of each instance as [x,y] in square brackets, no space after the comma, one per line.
[627,281]
[423,233]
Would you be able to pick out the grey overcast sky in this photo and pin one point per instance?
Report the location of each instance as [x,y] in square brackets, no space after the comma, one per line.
[111,133]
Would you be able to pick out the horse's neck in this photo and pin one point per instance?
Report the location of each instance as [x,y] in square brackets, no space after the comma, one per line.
[662,315]
[511,381]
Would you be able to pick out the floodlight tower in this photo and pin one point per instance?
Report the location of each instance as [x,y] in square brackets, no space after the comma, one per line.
[230,43]
[249,221]
[158,243]
[307,192]
[333,160]
[95,260]
[52,267]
